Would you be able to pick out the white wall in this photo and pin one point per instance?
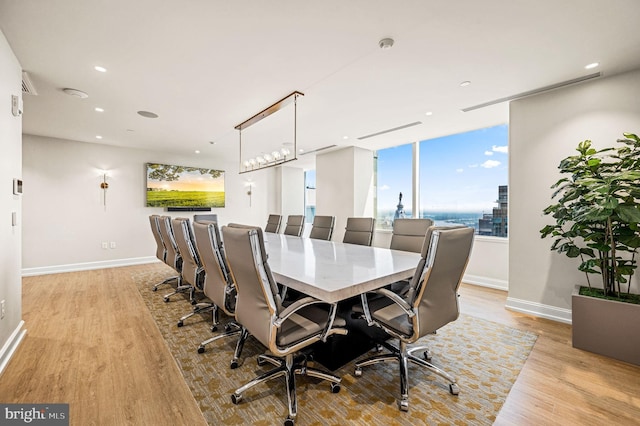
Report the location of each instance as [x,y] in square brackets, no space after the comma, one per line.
[344,186]
[543,130]
[64,217]
[289,192]
[11,331]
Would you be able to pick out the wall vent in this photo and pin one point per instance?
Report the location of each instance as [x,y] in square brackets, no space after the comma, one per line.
[533,92]
[27,84]
[415,123]
[318,150]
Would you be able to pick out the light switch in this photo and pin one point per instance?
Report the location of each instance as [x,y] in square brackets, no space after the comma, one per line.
[14,219]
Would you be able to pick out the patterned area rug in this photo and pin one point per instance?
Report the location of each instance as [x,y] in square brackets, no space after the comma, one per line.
[485,357]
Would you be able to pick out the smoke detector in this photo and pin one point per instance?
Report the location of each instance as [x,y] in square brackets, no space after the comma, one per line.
[74,92]
[385,43]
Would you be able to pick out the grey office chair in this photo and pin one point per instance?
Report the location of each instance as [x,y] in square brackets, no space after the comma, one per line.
[431,302]
[295,225]
[218,284]
[408,234]
[283,331]
[161,251]
[192,271]
[322,227]
[273,223]
[172,257]
[359,230]
[210,217]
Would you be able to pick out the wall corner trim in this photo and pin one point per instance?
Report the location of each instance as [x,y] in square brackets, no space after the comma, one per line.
[11,345]
[539,310]
[486,282]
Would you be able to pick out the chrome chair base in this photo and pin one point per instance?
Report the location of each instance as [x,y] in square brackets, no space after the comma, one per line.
[403,355]
[198,308]
[168,281]
[230,329]
[179,290]
[288,367]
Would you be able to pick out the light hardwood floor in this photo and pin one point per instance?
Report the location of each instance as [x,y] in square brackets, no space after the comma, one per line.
[92,343]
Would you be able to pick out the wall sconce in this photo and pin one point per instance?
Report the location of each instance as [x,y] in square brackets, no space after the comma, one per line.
[104,185]
[249,185]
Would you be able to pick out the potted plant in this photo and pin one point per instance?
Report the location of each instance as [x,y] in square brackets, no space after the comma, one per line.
[597,216]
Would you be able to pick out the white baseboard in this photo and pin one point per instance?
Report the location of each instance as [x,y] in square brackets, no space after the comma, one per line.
[11,345]
[486,282]
[539,310]
[56,269]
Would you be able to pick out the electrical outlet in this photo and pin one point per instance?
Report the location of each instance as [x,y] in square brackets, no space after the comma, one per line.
[2,309]
[105,245]
[113,244]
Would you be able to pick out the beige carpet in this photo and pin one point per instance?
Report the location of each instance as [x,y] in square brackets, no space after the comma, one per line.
[486,357]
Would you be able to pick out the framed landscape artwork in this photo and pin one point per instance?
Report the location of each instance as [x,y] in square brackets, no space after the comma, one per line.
[180,186]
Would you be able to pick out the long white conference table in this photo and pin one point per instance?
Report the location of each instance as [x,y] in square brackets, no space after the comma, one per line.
[333,271]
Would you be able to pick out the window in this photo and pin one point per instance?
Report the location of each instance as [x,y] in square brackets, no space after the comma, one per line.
[393,177]
[309,195]
[463,180]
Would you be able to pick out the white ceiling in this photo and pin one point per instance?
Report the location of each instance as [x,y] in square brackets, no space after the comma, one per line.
[205,66]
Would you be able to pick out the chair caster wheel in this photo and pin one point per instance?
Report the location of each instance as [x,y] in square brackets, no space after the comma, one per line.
[289,422]
[427,355]
[180,323]
[214,328]
[200,349]
[358,372]
[227,328]
[454,389]
[335,387]
[194,302]
[166,299]
[154,289]
[261,361]
[234,365]
[235,398]
[403,405]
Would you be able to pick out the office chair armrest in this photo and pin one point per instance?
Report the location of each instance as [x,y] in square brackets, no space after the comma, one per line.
[397,300]
[294,307]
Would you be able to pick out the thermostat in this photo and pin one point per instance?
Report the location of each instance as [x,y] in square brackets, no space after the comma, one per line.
[17,186]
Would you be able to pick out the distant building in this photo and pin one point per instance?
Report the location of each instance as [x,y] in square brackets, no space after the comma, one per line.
[497,223]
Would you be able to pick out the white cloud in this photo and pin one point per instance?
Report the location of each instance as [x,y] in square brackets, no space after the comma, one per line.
[473,166]
[488,153]
[503,149]
[384,187]
[459,170]
[489,164]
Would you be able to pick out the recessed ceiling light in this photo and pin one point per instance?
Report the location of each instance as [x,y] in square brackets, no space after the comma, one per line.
[148,114]
[428,113]
[197,151]
[301,150]
[213,142]
[385,43]
[465,83]
[591,65]
[98,137]
[130,130]
[345,137]
[75,92]
[98,109]
[99,68]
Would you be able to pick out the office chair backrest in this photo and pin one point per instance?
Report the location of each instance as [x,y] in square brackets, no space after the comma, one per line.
[205,217]
[161,251]
[191,266]
[408,234]
[295,225]
[217,281]
[322,227]
[436,296]
[273,223]
[173,257]
[256,303]
[359,230]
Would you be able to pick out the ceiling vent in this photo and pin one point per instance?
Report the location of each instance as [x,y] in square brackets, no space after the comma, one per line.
[415,123]
[27,84]
[533,92]
[318,150]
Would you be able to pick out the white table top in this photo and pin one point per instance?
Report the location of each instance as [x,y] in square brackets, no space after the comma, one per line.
[333,271]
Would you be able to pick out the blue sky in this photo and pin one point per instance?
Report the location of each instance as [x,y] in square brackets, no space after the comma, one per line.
[460,172]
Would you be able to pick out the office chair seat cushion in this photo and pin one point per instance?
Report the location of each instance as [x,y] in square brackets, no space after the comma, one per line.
[307,322]
[392,316]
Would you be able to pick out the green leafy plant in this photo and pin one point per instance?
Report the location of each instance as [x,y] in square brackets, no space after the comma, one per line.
[598,211]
